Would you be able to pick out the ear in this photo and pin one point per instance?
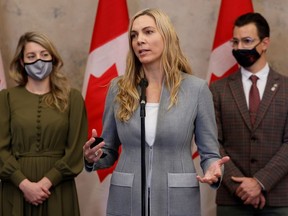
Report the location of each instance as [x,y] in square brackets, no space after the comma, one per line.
[266,43]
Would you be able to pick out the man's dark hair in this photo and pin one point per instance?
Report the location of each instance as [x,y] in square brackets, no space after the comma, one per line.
[256,18]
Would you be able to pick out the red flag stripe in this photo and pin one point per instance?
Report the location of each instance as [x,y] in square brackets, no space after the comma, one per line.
[106,60]
[229,11]
[111,21]
[221,60]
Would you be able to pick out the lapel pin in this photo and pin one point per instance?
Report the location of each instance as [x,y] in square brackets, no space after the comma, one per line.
[274,87]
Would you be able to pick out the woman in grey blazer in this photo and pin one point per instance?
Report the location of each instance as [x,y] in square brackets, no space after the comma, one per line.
[179,108]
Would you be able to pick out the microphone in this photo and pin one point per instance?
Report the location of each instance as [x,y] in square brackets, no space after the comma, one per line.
[143,85]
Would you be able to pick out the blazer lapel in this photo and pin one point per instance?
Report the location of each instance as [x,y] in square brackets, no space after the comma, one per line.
[271,88]
[162,111]
[236,86]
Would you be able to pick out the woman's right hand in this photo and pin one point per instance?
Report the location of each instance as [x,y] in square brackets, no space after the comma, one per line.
[92,155]
[33,192]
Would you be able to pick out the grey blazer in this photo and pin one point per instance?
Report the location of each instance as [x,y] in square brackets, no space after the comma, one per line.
[174,187]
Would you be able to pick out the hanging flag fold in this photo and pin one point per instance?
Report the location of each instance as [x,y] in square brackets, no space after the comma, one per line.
[106,60]
[2,74]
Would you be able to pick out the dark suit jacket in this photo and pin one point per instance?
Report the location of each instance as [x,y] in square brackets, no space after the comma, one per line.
[260,152]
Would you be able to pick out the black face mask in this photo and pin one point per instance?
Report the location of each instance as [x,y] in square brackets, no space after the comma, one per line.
[246,57]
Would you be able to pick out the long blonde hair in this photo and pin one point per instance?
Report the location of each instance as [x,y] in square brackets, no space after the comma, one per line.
[172,60]
[60,88]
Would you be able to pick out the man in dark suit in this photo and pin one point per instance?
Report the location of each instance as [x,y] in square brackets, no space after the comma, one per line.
[252,127]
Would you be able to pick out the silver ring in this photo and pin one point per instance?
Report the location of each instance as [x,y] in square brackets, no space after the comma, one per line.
[96,153]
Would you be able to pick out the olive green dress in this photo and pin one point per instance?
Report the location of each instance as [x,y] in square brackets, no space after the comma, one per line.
[37,141]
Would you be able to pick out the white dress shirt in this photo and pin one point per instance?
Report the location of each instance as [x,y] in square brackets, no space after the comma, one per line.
[261,82]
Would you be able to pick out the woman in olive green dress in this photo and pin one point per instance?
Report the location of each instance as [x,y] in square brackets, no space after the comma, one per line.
[42,127]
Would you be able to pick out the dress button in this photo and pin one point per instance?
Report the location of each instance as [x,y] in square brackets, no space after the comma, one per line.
[16,154]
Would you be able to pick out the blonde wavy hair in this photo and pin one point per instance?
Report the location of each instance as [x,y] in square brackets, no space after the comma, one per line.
[60,88]
[173,62]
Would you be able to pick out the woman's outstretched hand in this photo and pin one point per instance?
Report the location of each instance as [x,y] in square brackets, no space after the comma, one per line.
[214,172]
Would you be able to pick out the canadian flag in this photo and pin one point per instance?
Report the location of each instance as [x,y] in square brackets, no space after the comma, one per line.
[2,74]
[107,59]
[222,64]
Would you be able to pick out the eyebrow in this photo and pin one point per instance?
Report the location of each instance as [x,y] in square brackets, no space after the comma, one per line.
[147,27]
[42,51]
[243,37]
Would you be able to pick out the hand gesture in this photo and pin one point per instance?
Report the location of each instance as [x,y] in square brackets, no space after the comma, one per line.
[92,155]
[214,172]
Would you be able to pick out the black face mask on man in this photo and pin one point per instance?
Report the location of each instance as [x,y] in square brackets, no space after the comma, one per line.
[246,57]
[39,69]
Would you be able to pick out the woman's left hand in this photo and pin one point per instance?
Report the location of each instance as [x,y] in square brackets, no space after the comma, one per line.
[93,154]
[214,172]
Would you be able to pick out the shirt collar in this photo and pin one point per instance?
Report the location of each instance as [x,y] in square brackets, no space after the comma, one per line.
[262,74]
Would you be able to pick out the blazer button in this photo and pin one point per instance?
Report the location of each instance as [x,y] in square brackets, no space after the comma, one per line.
[16,154]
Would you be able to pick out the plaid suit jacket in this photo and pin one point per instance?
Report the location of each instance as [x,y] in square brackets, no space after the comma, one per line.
[260,152]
